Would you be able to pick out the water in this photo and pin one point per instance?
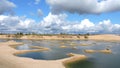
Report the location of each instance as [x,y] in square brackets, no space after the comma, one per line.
[3,40]
[95,60]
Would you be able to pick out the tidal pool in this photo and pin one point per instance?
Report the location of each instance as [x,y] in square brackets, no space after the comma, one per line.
[3,40]
[95,60]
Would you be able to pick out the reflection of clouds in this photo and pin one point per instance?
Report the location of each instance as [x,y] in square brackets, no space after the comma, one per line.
[56,53]
[1,40]
[23,47]
[95,45]
[115,47]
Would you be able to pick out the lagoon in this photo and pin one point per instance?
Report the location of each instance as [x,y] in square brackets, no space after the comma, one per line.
[95,60]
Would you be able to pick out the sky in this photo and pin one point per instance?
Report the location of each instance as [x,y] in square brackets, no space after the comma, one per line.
[60,16]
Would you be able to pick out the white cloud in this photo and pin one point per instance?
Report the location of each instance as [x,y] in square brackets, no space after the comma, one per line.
[53,19]
[39,12]
[37,1]
[107,27]
[2,17]
[15,24]
[86,23]
[6,6]
[79,27]
[84,6]
[109,5]
[26,23]
[58,23]
[52,23]
[55,24]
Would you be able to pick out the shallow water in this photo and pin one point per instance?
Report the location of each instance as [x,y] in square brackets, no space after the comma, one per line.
[3,40]
[95,60]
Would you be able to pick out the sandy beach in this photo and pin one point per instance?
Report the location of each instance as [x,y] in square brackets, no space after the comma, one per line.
[8,60]
[59,33]
[103,37]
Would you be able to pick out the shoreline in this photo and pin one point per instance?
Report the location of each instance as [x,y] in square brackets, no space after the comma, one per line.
[104,37]
[9,60]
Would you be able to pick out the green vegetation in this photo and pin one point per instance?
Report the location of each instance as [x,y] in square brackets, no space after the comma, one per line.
[86,35]
[63,35]
[18,35]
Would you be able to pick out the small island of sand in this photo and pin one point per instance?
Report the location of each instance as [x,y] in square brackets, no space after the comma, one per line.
[9,60]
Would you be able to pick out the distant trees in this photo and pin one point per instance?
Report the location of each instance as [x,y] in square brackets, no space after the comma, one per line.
[86,35]
[60,35]
[18,35]
[78,36]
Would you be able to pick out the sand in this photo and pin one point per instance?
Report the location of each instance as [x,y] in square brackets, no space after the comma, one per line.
[8,60]
[99,51]
[103,37]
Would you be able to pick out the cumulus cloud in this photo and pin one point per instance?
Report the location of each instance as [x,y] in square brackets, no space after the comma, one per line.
[6,6]
[58,24]
[53,20]
[84,6]
[109,5]
[13,24]
[53,24]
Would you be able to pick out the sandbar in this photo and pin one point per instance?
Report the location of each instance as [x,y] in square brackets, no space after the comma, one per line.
[9,60]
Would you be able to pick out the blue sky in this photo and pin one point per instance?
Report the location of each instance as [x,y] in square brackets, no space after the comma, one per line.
[62,15]
[28,7]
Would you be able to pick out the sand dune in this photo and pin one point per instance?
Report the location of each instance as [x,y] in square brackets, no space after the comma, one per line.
[104,37]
